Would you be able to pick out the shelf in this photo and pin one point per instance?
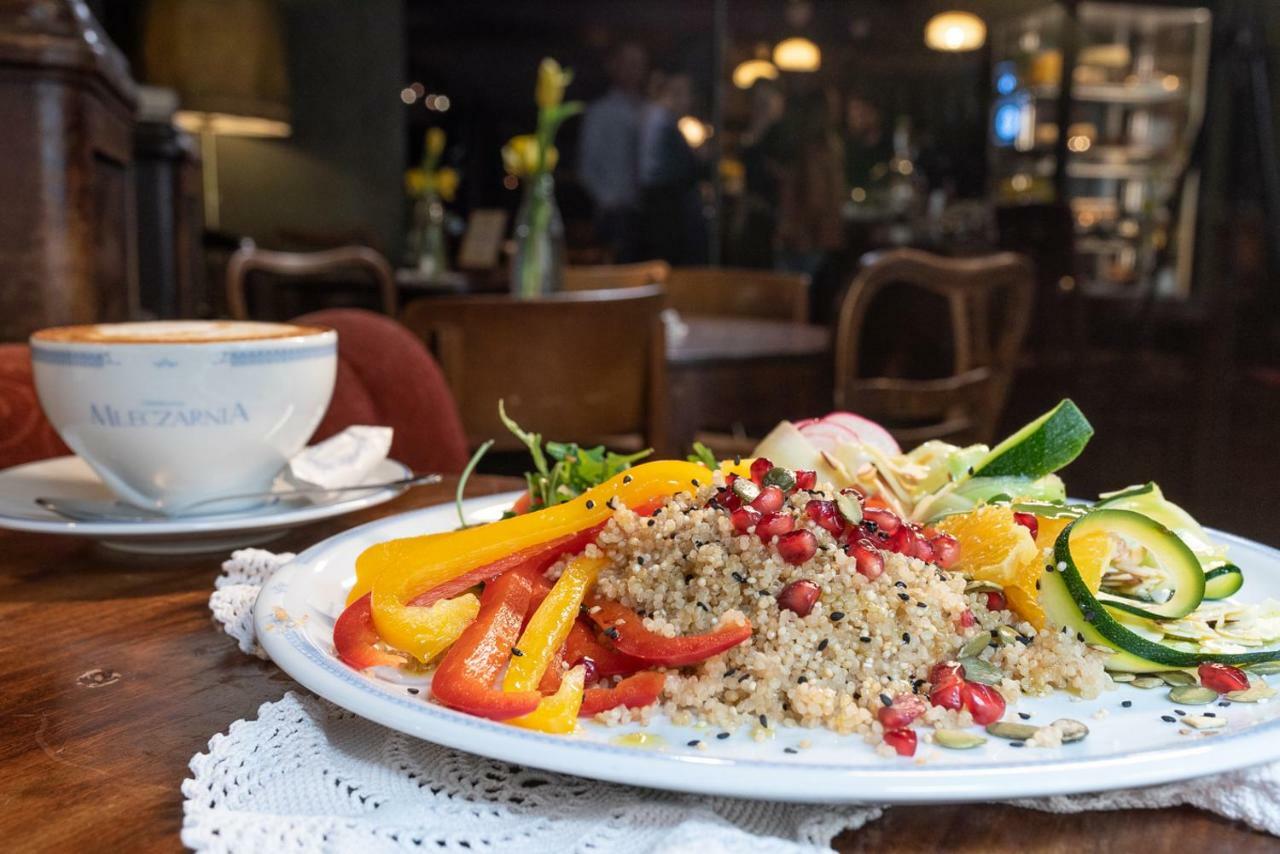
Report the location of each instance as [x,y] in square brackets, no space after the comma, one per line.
[1141,94]
[1103,245]
[1118,171]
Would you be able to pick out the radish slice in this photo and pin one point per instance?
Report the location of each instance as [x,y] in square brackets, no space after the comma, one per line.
[866,430]
[827,437]
[800,425]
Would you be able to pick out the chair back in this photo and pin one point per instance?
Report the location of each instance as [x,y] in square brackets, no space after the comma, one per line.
[304,266]
[988,305]
[586,367]
[598,277]
[25,433]
[387,378]
[730,292]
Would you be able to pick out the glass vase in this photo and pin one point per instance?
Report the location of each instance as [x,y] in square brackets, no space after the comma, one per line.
[427,242]
[538,267]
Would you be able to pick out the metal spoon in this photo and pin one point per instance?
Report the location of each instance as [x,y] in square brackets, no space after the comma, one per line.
[91,510]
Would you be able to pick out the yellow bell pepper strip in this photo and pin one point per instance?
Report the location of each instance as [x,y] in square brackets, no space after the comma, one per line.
[465,678]
[368,564]
[558,713]
[415,571]
[627,631]
[549,626]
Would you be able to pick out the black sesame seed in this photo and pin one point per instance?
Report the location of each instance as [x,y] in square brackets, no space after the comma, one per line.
[737,460]
[1210,714]
[1026,716]
[722,735]
[901,584]
[1025,640]
[1017,744]
[1179,712]
[1037,584]
[1080,637]
[906,637]
[739,577]
[837,616]
[789,750]
[612,633]
[764,722]
[1089,615]
[802,680]
[694,481]
[822,644]
[1169,719]
[763,592]
[517,652]
[1128,704]
[1225,703]
[640,560]
[865,639]
[704,607]
[885,699]
[916,685]
[904,597]
[744,677]
[612,504]
[694,743]
[413,690]
[688,578]
[921,605]
[591,505]
[626,478]
[652,522]
[730,672]
[1050,568]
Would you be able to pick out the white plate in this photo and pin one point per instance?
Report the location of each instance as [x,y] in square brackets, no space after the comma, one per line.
[1126,747]
[73,478]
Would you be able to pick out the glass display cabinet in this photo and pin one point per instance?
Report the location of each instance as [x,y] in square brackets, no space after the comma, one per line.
[1134,109]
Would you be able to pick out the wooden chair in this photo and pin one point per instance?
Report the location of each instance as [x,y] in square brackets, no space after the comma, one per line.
[730,292]
[988,302]
[307,265]
[586,367]
[604,276]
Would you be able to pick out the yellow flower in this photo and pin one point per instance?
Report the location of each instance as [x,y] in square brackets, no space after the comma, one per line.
[415,182]
[447,183]
[552,80]
[520,155]
[435,142]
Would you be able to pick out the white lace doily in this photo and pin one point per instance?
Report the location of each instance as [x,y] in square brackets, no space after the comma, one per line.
[307,775]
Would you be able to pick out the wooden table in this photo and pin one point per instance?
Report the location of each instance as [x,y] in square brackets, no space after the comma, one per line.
[114,676]
[728,372]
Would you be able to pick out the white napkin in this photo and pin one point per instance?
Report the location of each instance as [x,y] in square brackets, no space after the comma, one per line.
[308,775]
[341,460]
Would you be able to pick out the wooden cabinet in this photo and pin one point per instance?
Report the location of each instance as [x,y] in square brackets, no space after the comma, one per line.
[67,249]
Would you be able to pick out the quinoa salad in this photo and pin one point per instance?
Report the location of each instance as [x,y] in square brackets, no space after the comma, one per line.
[829,581]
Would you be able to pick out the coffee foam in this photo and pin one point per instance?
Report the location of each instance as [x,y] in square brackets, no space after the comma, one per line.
[174,332]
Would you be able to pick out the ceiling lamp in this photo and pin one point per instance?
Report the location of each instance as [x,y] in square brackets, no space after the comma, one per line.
[694,131]
[747,73]
[797,54]
[955,32]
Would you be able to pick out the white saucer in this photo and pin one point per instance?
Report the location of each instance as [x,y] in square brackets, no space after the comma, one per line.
[73,478]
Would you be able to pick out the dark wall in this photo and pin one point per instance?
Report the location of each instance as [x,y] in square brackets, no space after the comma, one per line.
[341,170]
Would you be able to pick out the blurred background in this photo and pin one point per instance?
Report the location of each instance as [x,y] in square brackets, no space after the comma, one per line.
[1126,151]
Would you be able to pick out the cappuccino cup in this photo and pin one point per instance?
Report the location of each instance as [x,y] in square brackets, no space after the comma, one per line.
[169,413]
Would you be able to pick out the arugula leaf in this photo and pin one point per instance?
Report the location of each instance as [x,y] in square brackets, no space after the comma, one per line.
[702,454]
[532,441]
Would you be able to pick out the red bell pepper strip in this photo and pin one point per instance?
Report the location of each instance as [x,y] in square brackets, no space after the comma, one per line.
[634,692]
[523,503]
[628,634]
[354,637]
[582,643]
[465,678]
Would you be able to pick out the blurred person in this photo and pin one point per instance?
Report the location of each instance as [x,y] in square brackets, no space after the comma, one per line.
[761,152]
[811,187]
[672,224]
[609,150]
[867,143]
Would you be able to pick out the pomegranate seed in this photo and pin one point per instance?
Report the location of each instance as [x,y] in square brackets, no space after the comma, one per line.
[769,500]
[726,499]
[868,560]
[1222,678]
[744,518]
[904,709]
[946,549]
[796,547]
[966,619]
[798,597]
[924,550]
[903,541]
[883,519]
[945,673]
[948,696]
[774,525]
[806,479]
[589,666]
[1028,521]
[825,514]
[902,740]
[983,702]
[996,601]
[759,468]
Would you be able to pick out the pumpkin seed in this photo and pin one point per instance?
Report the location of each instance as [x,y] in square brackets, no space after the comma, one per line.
[975,645]
[1007,635]
[779,477]
[979,586]
[1121,676]
[1147,682]
[849,508]
[1192,695]
[958,739]
[977,670]
[1259,690]
[1174,678]
[746,489]
[1012,731]
[1072,730]
[1204,722]
[1265,668]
